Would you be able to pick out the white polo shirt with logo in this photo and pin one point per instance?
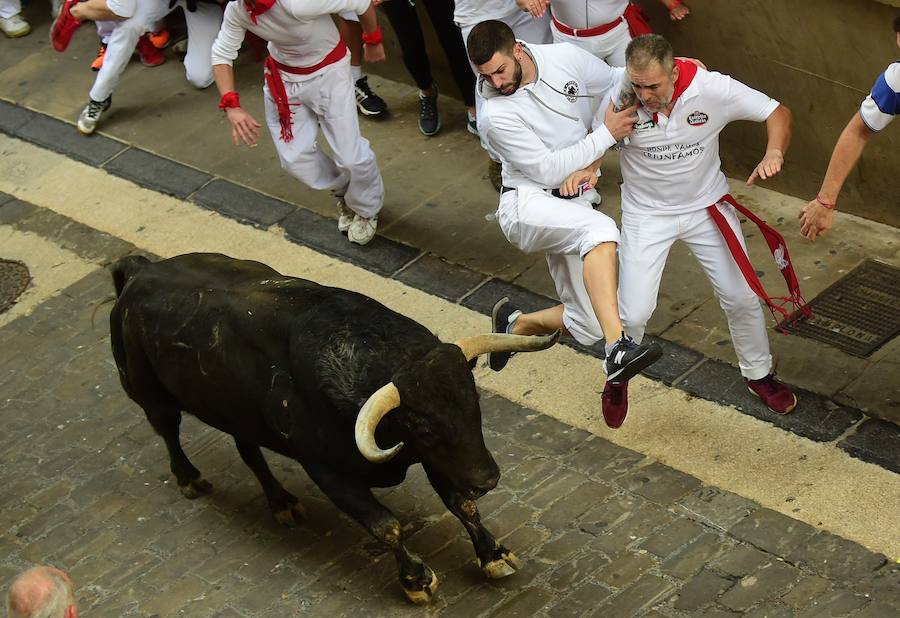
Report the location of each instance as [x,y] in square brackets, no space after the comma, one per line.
[671,165]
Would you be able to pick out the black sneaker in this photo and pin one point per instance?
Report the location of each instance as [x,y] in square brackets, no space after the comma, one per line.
[627,359]
[429,120]
[500,323]
[369,103]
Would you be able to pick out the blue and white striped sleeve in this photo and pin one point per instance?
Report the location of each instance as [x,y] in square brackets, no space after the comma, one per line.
[883,103]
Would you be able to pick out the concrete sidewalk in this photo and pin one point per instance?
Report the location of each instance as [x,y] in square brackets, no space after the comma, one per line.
[439,200]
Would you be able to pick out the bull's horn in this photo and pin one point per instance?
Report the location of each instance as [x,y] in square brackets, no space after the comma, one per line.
[379,403]
[499,342]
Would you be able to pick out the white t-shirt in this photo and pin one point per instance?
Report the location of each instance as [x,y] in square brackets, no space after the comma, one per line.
[673,167]
[300,33]
[883,103]
[471,12]
[587,13]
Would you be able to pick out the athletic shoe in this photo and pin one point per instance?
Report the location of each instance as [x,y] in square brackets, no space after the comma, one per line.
[345,215]
[471,124]
[98,61]
[159,39]
[64,27]
[614,404]
[90,115]
[777,397]
[55,7]
[503,316]
[362,230]
[627,359]
[369,103]
[180,47]
[495,174]
[150,56]
[429,119]
[14,26]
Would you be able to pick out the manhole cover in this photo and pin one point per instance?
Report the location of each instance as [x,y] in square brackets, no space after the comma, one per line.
[857,314]
[14,278]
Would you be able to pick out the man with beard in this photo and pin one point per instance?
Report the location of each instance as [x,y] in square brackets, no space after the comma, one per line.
[537,118]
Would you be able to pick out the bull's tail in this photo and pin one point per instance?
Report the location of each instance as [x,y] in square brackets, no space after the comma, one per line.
[124,269]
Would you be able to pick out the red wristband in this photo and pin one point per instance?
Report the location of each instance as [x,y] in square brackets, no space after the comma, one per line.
[825,204]
[674,5]
[229,99]
[372,38]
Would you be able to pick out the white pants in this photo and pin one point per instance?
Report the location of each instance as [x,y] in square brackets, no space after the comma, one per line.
[646,240]
[565,230]
[8,8]
[122,8]
[609,47]
[105,29]
[327,101]
[202,28]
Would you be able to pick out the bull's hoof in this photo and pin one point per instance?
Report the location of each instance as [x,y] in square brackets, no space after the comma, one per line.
[423,595]
[505,566]
[290,516]
[196,488]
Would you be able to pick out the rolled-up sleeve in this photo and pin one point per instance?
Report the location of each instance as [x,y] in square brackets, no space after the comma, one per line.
[228,42]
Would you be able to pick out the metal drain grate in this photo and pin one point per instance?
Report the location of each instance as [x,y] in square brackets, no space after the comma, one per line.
[857,314]
[14,278]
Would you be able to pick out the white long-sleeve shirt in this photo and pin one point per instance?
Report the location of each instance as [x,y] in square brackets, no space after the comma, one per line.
[300,32]
[470,12]
[587,13]
[546,130]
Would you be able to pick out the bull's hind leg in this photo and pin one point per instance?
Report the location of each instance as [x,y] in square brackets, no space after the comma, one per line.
[418,580]
[166,421]
[285,506]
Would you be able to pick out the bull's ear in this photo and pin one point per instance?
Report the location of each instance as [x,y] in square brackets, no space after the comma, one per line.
[477,345]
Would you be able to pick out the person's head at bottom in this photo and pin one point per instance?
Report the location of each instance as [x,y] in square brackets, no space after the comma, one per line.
[42,592]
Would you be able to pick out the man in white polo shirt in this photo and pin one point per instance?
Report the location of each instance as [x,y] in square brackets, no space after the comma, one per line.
[876,112]
[674,189]
[537,117]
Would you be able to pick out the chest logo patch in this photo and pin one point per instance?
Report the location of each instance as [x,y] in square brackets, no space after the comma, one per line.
[696,119]
[571,90]
[642,127]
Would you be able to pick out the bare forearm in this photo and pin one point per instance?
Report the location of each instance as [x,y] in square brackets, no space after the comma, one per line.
[368,20]
[846,153]
[778,128]
[224,76]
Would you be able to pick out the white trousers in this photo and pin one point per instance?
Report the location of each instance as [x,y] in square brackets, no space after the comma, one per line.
[202,28]
[609,47]
[8,8]
[646,240]
[565,230]
[327,101]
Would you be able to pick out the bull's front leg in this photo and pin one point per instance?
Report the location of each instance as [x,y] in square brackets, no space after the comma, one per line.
[496,560]
[356,500]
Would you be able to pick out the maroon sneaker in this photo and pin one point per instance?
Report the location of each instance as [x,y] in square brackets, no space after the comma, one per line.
[64,26]
[777,397]
[614,403]
[150,56]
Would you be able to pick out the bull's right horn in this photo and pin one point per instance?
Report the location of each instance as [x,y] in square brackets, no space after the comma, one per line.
[377,405]
[499,342]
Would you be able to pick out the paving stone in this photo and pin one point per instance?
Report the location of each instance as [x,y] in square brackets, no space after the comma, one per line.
[674,536]
[560,485]
[885,584]
[715,507]
[243,204]
[875,441]
[602,458]
[63,137]
[674,363]
[380,255]
[659,483]
[877,610]
[837,558]
[765,583]
[567,510]
[438,277]
[576,570]
[563,546]
[773,532]
[808,588]
[694,556]
[580,601]
[644,593]
[12,117]
[622,571]
[641,523]
[523,541]
[510,518]
[501,414]
[702,590]
[525,604]
[14,211]
[770,610]
[544,433]
[484,298]
[740,560]
[476,602]
[157,173]
[528,474]
[838,602]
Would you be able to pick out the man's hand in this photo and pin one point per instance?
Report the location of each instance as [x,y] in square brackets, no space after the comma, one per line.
[815,220]
[679,12]
[576,179]
[537,8]
[373,53]
[620,124]
[244,129]
[768,167]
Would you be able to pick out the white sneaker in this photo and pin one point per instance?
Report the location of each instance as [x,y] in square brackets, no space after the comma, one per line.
[345,215]
[14,26]
[362,230]
[90,115]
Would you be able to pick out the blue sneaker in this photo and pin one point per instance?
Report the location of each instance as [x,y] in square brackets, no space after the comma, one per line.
[628,358]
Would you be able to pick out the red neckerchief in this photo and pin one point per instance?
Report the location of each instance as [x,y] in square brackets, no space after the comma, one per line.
[259,7]
[686,73]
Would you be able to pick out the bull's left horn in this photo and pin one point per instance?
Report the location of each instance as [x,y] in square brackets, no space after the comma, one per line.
[379,403]
[499,342]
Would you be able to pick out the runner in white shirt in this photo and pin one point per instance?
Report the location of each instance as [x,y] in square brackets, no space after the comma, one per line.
[674,189]
[537,117]
[308,87]
[602,27]
[877,111]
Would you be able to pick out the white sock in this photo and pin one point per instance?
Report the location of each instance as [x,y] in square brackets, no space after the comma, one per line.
[356,72]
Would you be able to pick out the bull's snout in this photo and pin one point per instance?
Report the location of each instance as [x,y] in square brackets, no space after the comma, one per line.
[487,481]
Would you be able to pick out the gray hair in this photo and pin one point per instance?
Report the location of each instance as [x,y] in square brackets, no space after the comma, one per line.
[649,49]
[40,592]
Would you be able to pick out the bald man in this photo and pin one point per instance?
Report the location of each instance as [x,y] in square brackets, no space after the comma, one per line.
[42,591]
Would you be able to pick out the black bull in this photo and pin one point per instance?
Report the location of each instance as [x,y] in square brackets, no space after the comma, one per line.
[310,372]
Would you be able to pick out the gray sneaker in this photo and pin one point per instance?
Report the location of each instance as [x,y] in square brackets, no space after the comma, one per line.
[345,215]
[90,115]
[14,26]
[362,230]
